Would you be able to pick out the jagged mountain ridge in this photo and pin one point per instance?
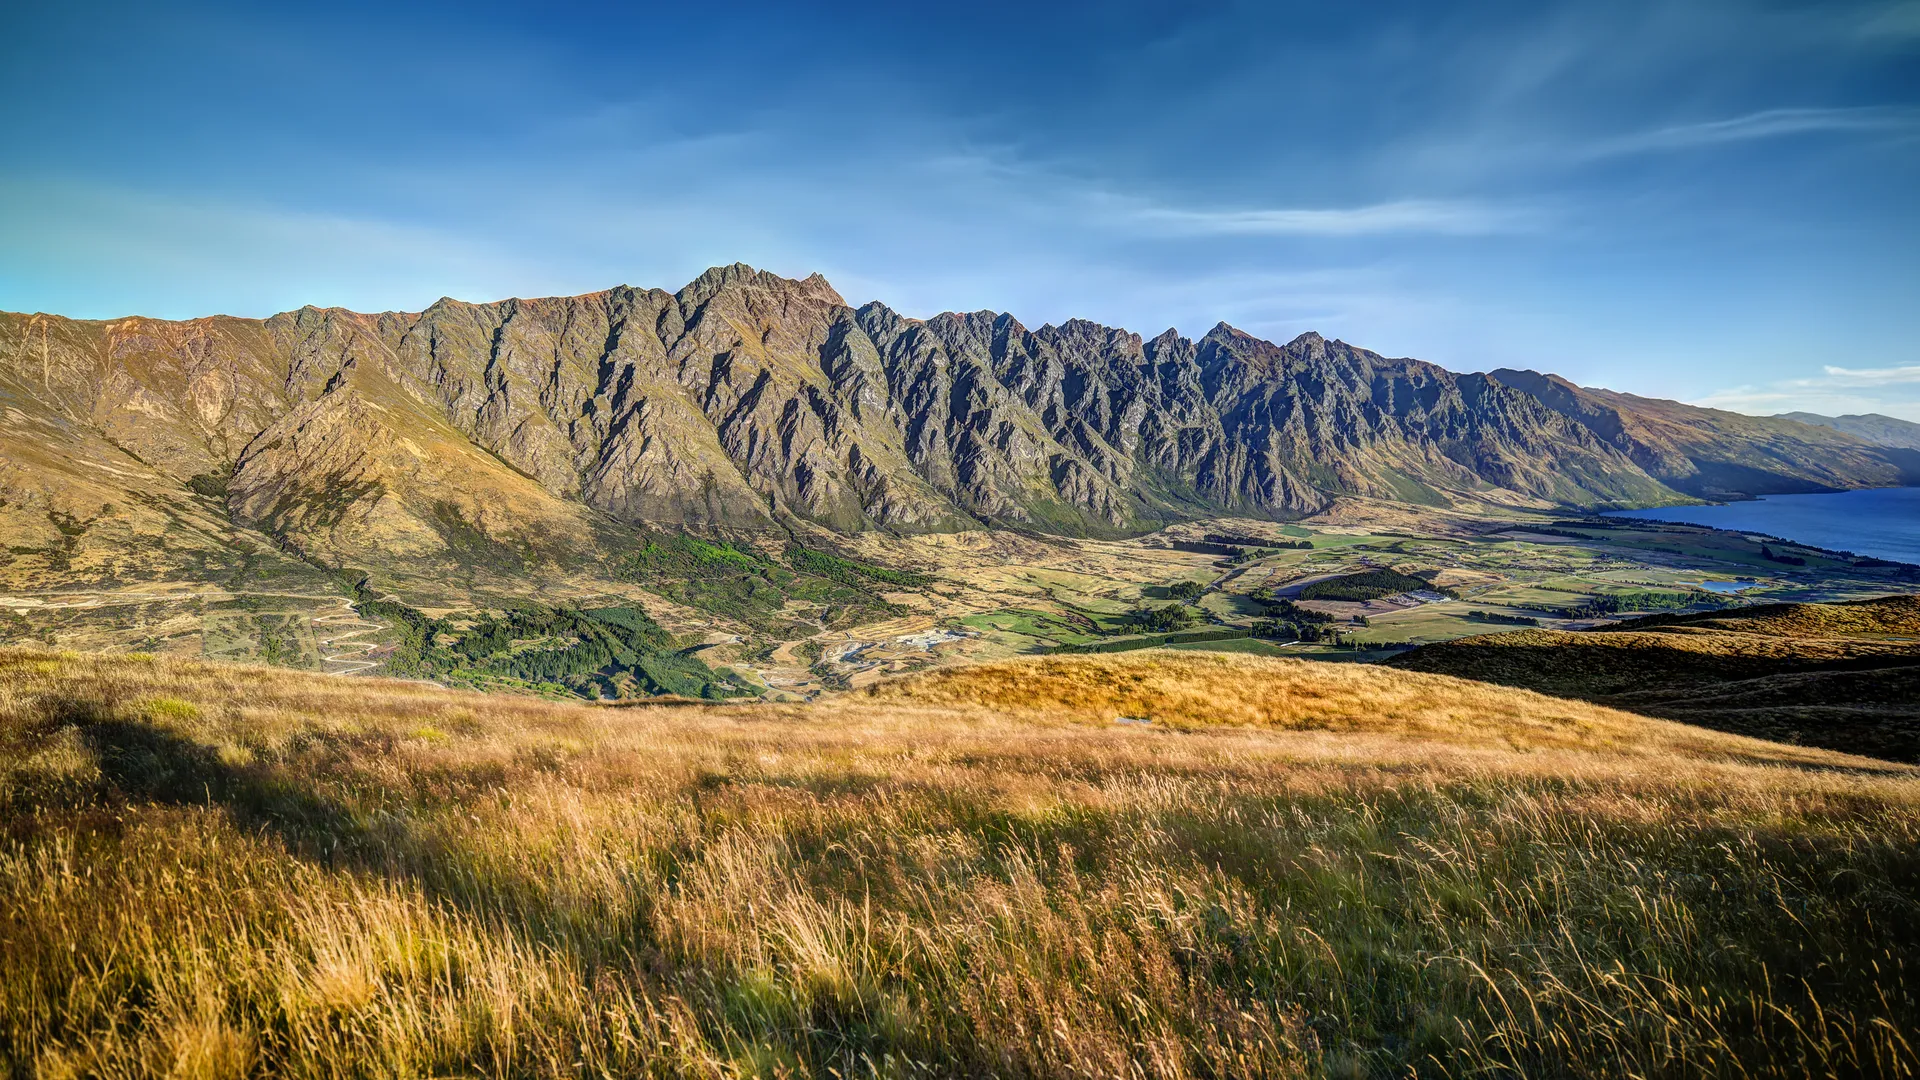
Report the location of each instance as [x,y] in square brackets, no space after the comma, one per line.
[746,399]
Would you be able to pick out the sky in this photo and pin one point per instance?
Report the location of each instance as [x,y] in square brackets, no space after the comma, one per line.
[1712,201]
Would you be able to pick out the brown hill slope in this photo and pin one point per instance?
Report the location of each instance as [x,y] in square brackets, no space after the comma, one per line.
[78,509]
[218,871]
[1843,676]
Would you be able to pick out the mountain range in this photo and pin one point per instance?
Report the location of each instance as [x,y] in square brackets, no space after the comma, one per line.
[525,434]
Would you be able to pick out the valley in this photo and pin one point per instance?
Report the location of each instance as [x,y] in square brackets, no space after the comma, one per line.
[735,682]
[972,596]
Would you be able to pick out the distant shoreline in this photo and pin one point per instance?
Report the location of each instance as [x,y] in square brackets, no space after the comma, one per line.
[1881,523]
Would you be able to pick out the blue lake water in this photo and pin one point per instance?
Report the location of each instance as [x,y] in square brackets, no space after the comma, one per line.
[1881,522]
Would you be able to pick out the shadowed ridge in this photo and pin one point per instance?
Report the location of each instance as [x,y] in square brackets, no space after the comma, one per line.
[1841,676]
[747,399]
[1880,615]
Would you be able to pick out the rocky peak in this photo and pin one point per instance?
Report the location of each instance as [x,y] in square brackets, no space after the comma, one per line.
[813,288]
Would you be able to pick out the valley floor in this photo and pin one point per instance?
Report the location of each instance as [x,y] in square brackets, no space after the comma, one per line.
[1284,868]
[1006,595]
[978,596]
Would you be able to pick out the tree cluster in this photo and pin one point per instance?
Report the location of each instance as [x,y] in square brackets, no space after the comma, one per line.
[1148,619]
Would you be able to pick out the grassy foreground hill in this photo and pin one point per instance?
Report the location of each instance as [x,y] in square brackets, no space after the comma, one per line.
[1844,676]
[1291,869]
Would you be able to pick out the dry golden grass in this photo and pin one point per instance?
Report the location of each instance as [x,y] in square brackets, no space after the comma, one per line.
[1297,870]
[1196,690]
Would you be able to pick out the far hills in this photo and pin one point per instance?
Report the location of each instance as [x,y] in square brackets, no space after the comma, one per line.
[1873,427]
[504,442]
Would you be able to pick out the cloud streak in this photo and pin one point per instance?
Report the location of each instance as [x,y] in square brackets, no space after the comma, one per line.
[1429,216]
[1892,376]
[1059,196]
[1893,391]
[1766,124]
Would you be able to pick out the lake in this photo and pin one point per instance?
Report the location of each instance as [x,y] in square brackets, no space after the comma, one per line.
[1881,522]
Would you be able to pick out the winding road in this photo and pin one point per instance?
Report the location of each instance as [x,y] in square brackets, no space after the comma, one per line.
[351,665]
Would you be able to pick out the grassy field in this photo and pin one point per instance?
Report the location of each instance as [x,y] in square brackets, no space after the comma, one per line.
[1429,623]
[1023,629]
[284,639]
[1294,869]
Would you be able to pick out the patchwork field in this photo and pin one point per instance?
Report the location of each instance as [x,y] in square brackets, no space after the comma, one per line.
[795,629]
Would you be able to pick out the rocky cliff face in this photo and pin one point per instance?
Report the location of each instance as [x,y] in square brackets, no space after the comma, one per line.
[524,426]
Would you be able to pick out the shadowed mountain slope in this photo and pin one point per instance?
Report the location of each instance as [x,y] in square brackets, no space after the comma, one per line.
[1840,676]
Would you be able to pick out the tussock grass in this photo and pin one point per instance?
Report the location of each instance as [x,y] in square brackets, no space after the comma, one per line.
[1203,690]
[1298,870]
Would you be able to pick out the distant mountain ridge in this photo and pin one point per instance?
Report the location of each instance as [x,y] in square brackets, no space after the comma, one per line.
[1715,454]
[1873,427]
[746,401]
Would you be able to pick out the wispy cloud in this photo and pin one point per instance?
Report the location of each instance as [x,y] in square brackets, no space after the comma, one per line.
[1767,124]
[1898,21]
[1891,376]
[1894,391]
[1432,216]
[1063,196]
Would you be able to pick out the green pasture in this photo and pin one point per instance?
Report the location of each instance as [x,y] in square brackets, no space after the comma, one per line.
[1253,646]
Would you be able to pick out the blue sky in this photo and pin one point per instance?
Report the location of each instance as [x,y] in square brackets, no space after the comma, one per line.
[1713,201]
